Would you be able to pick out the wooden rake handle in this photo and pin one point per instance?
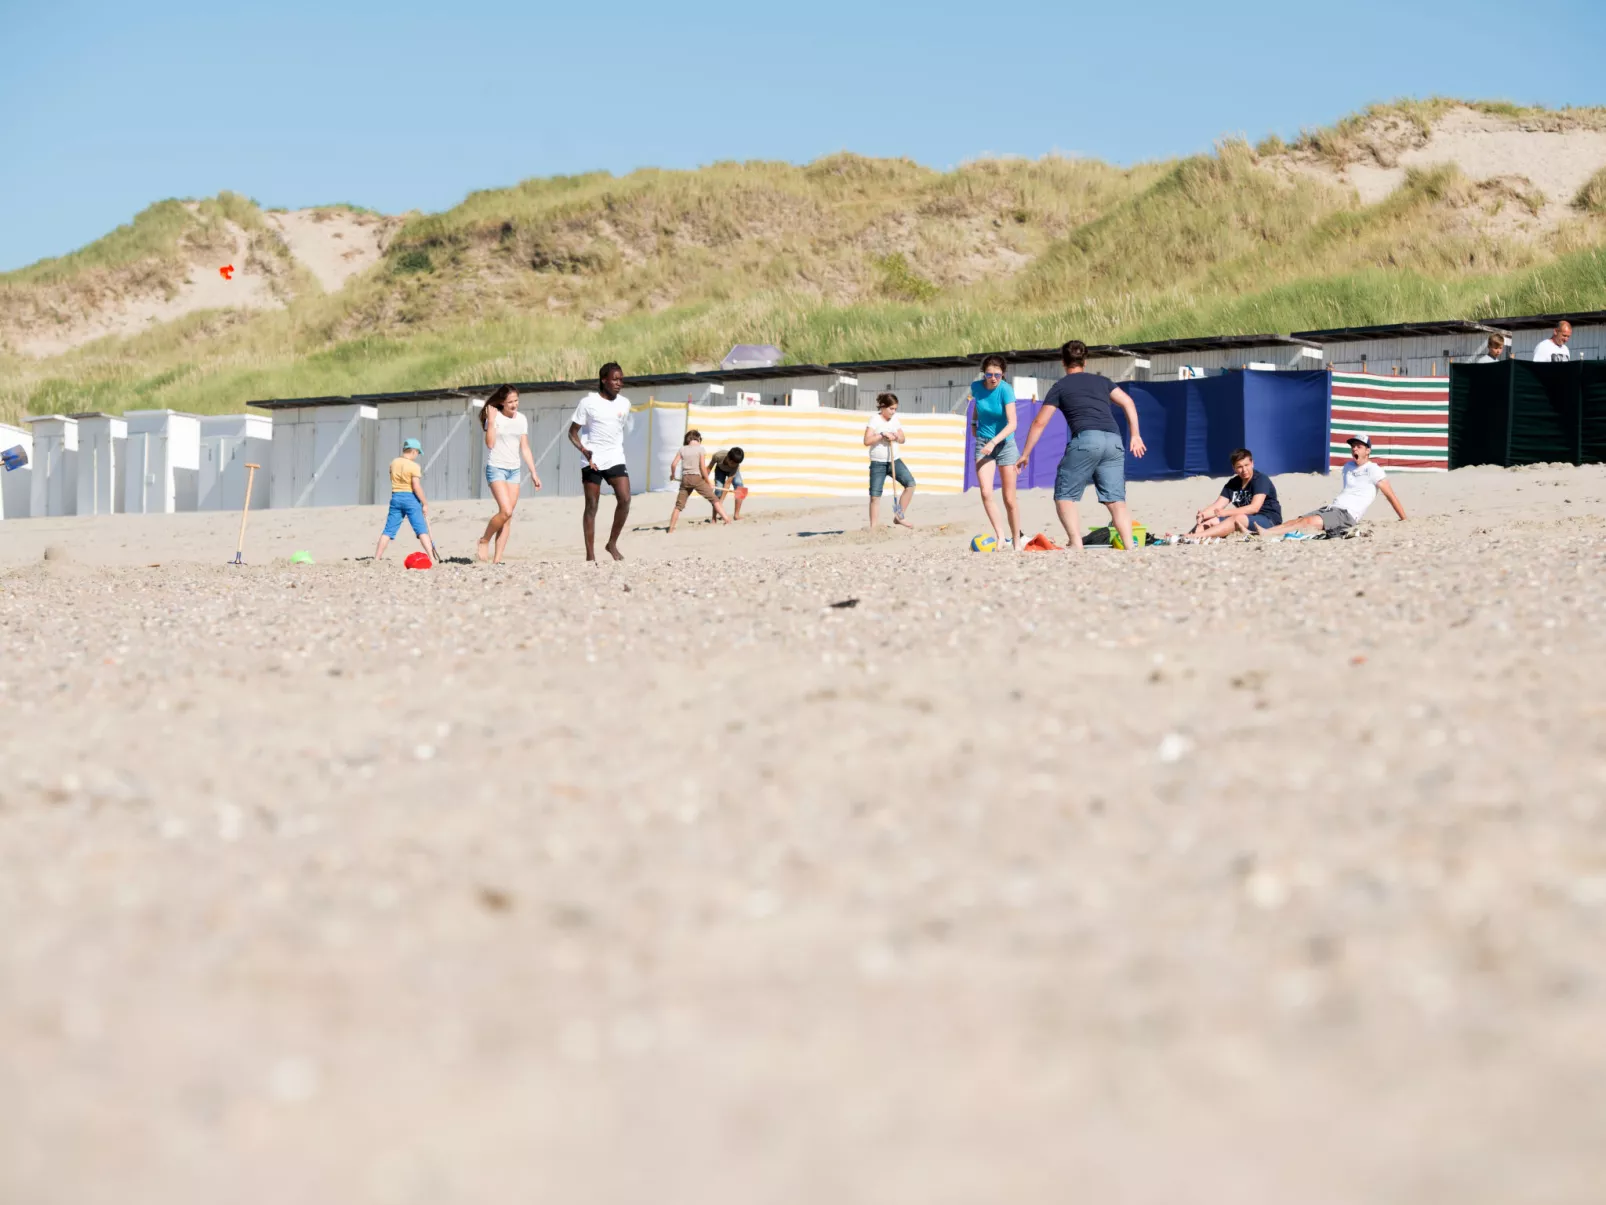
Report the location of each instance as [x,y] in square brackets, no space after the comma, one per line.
[245,511]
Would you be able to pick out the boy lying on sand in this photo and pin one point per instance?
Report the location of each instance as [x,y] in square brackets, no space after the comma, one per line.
[1362,481]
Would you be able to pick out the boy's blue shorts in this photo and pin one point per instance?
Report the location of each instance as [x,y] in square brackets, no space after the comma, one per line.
[405,504]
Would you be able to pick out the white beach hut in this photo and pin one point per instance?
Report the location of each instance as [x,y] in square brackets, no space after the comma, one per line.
[164,461]
[323,452]
[54,487]
[102,449]
[16,484]
[228,443]
[447,423]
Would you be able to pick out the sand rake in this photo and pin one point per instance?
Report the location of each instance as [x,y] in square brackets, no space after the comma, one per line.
[245,513]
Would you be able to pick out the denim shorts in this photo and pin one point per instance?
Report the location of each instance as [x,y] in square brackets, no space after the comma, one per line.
[405,505]
[1259,522]
[494,474]
[722,479]
[1095,457]
[1004,455]
[879,470]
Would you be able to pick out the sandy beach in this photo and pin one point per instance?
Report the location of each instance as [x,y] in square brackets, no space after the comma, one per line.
[1259,872]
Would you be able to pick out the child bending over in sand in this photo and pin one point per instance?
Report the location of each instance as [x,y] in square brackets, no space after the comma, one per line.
[728,477]
[407,500]
[692,464]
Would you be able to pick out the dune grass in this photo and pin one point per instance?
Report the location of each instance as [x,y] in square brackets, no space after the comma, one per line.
[1591,198]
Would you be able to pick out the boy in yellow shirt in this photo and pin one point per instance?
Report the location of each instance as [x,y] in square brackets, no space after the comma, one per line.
[407,500]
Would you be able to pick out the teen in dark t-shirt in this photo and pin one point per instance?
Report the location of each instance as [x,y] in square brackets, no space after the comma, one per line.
[1093,452]
[1084,399]
[1248,500]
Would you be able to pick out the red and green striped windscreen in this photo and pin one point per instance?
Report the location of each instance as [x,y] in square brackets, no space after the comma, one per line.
[1408,419]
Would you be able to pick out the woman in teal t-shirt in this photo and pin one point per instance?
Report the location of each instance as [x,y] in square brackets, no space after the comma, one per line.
[992,424]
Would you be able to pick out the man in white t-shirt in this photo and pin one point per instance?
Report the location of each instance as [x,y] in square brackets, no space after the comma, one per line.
[1363,481]
[598,430]
[1554,350]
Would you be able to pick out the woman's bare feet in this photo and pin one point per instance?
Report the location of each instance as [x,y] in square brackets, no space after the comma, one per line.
[480,550]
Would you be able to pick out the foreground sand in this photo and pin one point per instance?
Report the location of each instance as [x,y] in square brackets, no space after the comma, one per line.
[1262,873]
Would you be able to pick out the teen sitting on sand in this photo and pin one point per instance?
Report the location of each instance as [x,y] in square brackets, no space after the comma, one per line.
[1362,482]
[407,500]
[882,436]
[507,442]
[692,463]
[1248,500]
[728,477]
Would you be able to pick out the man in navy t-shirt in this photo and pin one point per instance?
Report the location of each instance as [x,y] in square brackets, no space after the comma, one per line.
[1093,453]
[1248,501]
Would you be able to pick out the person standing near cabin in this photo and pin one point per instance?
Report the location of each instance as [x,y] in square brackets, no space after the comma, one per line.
[882,436]
[407,500]
[1495,349]
[1554,350]
[507,442]
[598,430]
[693,465]
[992,429]
[1093,453]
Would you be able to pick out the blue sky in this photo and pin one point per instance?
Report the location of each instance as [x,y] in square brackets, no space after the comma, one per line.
[105,108]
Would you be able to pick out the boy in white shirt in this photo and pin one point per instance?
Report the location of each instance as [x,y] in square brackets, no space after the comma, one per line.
[598,430]
[1363,480]
[882,436]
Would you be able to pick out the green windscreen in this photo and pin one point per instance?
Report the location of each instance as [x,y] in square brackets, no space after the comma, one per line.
[1480,400]
[1519,412]
[1545,400]
[1593,424]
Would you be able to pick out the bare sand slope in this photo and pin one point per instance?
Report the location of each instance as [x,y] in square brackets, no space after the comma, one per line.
[203,288]
[1254,873]
[1485,147]
[333,244]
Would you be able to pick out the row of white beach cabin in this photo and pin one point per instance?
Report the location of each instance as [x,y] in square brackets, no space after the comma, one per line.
[335,451]
[141,462]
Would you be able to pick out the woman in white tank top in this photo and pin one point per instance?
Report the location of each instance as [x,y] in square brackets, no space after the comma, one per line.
[507,442]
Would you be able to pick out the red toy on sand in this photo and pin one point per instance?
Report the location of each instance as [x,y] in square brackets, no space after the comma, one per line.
[417,560]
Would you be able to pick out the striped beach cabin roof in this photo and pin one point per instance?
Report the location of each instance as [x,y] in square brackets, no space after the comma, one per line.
[1408,419]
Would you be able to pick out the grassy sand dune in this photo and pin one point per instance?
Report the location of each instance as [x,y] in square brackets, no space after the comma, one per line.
[849,258]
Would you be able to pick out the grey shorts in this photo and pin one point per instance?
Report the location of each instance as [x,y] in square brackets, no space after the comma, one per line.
[1334,518]
[1092,458]
[1004,455]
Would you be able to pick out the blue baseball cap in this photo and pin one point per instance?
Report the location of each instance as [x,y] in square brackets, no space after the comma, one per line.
[412,445]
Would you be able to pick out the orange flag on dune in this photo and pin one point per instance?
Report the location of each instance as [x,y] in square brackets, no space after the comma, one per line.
[1040,543]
